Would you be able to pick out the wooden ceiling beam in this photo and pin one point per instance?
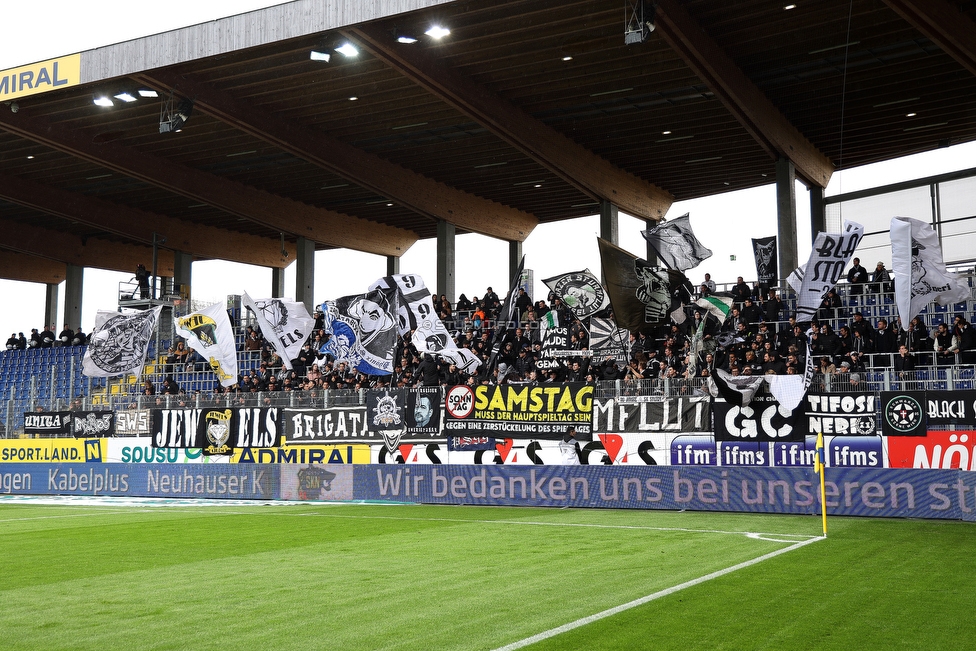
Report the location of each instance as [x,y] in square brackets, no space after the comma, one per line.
[944,25]
[591,174]
[754,111]
[139,225]
[280,213]
[83,252]
[31,268]
[419,193]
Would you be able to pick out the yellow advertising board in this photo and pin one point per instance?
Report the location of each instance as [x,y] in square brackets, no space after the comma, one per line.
[50,450]
[304,454]
[40,77]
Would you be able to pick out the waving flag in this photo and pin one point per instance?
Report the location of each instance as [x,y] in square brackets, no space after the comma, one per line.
[829,257]
[209,333]
[416,312]
[581,291]
[285,324]
[676,245]
[640,294]
[505,317]
[119,343]
[920,274]
[363,331]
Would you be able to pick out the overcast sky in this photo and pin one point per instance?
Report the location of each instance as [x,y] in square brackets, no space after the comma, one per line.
[724,223]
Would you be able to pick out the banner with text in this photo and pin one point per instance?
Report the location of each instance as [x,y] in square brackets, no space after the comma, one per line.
[521,411]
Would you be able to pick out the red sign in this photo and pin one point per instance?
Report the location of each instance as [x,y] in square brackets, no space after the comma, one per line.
[946,450]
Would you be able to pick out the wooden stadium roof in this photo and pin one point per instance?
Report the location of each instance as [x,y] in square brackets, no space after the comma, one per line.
[529,111]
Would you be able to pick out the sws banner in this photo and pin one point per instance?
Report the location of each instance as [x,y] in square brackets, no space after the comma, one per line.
[133,422]
[673,414]
[845,414]
[520,411]
[763,420]
[215,431]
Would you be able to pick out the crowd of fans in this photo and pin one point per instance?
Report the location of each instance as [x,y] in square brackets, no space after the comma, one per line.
[755,339]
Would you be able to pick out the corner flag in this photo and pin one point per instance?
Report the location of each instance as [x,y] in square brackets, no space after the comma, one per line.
[819,466]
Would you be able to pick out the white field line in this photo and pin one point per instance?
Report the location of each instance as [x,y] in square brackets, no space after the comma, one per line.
[553,632]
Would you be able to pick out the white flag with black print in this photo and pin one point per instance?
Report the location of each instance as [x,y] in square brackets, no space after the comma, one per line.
[581,291]
[676,245]
[285,325]
[920,273]
[828,259]
[119,343]
[209,333]
[416,312]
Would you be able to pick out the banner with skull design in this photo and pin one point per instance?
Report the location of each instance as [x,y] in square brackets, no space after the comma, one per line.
[764,250]
[119,343]
[285,324]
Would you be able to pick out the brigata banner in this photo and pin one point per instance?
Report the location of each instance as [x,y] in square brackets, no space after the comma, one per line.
[764,419]
[332,425]
[844,414]
[634,414]
[215,431]
[950,407]
[520,411]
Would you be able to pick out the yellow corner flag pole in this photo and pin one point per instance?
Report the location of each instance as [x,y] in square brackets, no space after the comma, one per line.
[819,465]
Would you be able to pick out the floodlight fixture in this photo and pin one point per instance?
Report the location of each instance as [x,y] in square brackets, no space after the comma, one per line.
[146,92]
[437,32]
[348,50]
[103,101]
[125,97]
[325,57]
[407,40]
[638,21]
[172,119]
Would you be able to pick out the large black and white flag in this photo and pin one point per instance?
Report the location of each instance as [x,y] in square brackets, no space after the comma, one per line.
[764,250]
[829,257]
[416,312]
[676,245]
[920,273]
[363,331]
[209,333]
[506,316]
[581,291]
[285,324]
[641,295]
[119,343]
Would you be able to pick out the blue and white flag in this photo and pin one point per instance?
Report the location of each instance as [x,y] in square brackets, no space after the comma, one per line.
[119,343]
[363,331]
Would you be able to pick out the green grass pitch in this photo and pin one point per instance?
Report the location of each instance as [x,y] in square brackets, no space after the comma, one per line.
[427,577]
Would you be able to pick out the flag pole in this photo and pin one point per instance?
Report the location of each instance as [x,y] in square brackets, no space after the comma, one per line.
[819,465]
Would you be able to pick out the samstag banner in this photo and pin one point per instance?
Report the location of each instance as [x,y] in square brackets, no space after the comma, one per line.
[622,415]
[520,411]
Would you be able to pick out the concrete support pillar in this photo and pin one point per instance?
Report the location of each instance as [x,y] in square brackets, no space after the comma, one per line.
[305,273]
[182,273]
[445,259]
[392,265]
[51,305]
[818,212]
[786,216]
[609,222]
[651,253]
[277,282]
[74,280]
[514,258]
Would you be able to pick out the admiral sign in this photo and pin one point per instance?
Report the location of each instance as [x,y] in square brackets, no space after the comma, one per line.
[845,414]
[520,411]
